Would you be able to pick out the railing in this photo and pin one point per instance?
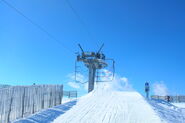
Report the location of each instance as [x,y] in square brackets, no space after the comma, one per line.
[178,99]
[20,101]
[70,94]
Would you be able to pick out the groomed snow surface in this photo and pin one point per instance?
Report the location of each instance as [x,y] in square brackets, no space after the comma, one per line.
[106,104]
[180,105]
[47,115]
[111,107]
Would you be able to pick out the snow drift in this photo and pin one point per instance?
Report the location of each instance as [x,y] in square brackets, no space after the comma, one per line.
[111,103]
[108,105]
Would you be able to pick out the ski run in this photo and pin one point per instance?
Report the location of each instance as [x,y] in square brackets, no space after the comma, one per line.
[108,105]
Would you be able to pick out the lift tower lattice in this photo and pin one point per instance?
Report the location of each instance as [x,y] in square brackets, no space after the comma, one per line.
[93,61]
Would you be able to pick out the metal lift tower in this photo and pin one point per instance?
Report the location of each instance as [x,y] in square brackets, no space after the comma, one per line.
[93,61]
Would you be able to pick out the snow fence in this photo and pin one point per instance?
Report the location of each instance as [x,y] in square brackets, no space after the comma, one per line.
[177,99]
[21,101]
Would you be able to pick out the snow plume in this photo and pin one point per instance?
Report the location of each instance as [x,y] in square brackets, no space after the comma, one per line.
[121,84]
[79,78]
[73,85]
[160,89]
[117,83]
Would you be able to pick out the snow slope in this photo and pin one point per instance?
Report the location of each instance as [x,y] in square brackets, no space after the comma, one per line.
[105,105]
[109,105]
[48,115]
[167,111]
[180,105]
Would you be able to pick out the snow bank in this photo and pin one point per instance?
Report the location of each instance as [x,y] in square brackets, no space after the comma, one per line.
[168,112]
[108,105]
[180,105]
[48,115]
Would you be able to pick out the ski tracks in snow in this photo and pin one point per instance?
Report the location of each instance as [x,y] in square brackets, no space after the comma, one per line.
[167,111]
[102,106]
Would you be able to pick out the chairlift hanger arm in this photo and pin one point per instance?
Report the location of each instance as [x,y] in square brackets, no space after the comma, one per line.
[100,48]
[81,48]
[113,67]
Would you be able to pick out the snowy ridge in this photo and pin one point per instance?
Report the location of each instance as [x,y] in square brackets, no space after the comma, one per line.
[48,115]
[109,105]
[180,105]
[168,112]
[106,105]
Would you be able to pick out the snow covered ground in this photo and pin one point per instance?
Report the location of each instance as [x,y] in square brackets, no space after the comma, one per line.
[105,105]
[180,105]
[109,105]
[48,115]
[168,112]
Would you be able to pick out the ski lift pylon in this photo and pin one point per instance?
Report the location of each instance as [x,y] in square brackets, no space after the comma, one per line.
[94,61]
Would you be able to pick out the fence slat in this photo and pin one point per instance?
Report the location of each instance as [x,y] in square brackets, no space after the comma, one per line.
[177,99]
[20,101]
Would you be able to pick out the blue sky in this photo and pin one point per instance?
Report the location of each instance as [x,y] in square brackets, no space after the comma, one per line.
[146,38]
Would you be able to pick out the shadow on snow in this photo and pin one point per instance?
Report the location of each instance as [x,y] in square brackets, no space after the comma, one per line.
[48,115]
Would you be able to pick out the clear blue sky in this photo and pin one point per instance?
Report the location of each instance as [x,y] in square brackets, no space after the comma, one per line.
[145,37]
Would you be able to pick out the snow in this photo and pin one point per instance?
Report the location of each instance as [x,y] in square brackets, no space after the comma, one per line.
[106,105]
[180,105]
[66,99]
[168,112]
[48,115]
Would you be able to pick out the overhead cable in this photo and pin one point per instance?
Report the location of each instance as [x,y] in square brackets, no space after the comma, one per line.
[79,18]
[36,25]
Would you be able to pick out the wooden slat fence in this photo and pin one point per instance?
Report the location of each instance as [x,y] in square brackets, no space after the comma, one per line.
[178,99]
[21,101]
[70,94]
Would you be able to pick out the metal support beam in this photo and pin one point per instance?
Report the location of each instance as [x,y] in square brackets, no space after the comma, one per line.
[92,72]
[93,61]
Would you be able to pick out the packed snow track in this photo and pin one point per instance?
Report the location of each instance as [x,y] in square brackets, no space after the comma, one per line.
[105,106]
[108,105]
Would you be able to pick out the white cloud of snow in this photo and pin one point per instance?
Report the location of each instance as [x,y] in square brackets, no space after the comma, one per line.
[124,79]
[73,85]
[79,77]
[160,89]
[117,83]
[77,84]
[86,86]
[121,84]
